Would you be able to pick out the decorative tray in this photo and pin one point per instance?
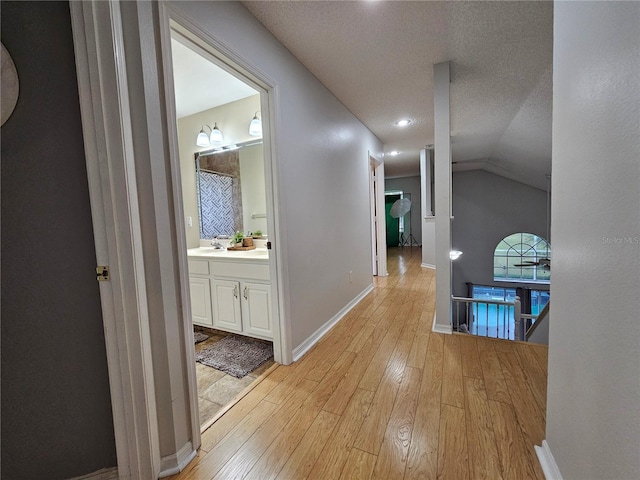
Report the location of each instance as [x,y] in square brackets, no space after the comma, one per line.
[238,249]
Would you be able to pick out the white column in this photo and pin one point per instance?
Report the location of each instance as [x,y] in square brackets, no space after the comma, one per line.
[442,195]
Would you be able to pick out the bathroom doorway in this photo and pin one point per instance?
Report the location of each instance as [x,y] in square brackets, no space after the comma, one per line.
[223,145]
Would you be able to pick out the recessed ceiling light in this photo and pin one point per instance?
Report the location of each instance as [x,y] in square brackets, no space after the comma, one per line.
[393,153]
[403,123]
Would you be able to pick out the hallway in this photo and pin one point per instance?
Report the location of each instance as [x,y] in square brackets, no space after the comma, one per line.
[382,397]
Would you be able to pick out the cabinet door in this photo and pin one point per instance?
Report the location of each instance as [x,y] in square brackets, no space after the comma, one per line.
[226,305]
[200,289]
[256,306]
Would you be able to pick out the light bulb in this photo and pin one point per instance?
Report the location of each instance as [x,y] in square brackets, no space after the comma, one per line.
[203,139]
[255,127]
[216,136]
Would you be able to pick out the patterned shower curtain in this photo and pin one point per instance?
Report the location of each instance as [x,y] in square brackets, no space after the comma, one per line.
[215,204]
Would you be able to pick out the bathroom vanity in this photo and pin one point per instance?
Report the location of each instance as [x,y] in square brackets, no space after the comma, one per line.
[230,290]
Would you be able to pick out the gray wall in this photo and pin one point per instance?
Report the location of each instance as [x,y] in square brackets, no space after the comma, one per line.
[593,407]
[409,185]
[487,208]
[56,410]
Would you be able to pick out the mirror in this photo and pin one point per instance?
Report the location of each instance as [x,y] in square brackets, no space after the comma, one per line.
[230,187]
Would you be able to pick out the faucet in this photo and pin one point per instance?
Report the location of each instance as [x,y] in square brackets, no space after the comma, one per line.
[216,244]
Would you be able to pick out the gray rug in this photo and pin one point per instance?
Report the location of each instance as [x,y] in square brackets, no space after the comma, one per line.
[199,337]
[236,355]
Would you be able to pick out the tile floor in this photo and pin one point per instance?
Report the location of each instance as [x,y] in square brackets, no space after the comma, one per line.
[215,388]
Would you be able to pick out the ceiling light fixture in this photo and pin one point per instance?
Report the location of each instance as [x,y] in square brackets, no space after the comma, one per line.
[403,123]
[393,153]
[255,127]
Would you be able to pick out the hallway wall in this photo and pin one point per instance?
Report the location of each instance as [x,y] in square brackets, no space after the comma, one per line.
[593,412]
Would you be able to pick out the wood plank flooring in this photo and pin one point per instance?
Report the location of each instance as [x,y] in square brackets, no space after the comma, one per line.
[382,397]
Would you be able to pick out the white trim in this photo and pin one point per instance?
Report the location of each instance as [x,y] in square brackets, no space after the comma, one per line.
[106,122]
[428,265]
[372,213]
[102,474]
[181,243]
[447,330]
[175,463]
[315,337]
[172,20]
[268,88]
[381,230]
[547,462]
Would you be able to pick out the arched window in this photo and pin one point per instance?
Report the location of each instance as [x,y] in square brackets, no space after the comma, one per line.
[522,257]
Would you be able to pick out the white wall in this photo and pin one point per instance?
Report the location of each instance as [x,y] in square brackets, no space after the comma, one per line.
[322,172]
[233,120]
[409,185]
[593,407]
[487,208]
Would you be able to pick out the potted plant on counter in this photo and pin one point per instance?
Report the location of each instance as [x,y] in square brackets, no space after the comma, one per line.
[236,239]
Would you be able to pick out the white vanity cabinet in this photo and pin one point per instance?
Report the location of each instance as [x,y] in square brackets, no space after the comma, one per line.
[239,299]
[256,309]
[200,290]
[242,307]
[226,300]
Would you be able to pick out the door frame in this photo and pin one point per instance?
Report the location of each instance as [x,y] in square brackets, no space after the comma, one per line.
[223,57]
[378,222]
[107,118]
[109,151]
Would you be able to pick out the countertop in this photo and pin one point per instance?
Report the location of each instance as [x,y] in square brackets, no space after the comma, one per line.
[210,253]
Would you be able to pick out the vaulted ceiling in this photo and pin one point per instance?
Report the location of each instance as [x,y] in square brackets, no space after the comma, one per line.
[377,57]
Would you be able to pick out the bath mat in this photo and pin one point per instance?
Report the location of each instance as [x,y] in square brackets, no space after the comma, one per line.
[238,356]
[199,337]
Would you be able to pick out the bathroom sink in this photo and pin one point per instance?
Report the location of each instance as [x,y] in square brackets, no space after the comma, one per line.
[258,253]
[209,250]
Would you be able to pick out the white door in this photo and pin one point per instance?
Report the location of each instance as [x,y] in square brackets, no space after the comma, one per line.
[226,300]
[200,289]
[256,310]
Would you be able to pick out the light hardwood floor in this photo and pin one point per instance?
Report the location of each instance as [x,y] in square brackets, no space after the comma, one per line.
[383,397]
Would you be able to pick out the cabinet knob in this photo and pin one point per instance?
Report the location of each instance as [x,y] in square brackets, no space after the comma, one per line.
[235,291]
[246,293]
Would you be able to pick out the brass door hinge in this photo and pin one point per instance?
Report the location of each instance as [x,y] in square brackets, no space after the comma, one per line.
[102,273]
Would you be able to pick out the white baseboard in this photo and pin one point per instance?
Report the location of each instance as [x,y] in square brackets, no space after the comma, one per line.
[428,265]
[173,464]
[447,330]
[102,474]
[547,462]
[315,337]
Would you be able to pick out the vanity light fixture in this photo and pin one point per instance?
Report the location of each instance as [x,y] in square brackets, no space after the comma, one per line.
[403,123]
[216,138]
[203,139]
[393,153]
[255,127]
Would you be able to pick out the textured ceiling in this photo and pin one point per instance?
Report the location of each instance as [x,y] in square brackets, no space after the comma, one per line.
[377,57]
